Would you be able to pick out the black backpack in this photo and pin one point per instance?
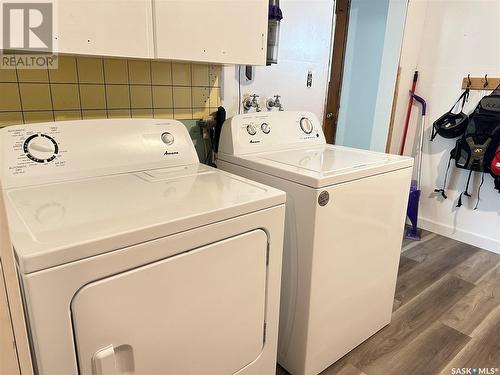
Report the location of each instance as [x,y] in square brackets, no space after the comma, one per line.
[472,151]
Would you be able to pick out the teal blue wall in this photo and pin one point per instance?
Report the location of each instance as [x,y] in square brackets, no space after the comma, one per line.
[372,56]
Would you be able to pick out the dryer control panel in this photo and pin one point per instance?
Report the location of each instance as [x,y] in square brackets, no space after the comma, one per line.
[58,151]
[260,132]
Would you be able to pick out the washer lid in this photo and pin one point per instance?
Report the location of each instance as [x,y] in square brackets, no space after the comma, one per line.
[53,224]
[323,165]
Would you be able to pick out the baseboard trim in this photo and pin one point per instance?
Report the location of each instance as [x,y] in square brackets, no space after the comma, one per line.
[470,238]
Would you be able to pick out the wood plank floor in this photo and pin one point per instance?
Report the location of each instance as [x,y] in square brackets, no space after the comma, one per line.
[446,314]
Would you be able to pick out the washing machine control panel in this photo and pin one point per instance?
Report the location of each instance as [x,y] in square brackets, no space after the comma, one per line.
[258,132]
[265,127]
[251,129]
[306,125]
[55,151]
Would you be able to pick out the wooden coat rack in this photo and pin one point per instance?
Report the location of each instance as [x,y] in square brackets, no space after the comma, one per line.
[480,83]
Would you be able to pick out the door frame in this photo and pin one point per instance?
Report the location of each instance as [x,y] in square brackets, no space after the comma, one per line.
[331,113]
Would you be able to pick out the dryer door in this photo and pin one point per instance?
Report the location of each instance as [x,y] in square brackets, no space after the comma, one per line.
[198,312]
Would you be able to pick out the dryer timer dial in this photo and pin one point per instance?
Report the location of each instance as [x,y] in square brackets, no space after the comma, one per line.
[40,148]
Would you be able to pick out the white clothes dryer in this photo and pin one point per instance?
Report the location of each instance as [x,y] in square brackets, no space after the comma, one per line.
[135,258]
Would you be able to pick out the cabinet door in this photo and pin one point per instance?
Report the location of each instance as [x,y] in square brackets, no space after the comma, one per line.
[223,31]
[104,27]
[199,312]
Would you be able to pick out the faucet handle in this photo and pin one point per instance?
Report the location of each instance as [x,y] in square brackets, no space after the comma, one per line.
[277,103]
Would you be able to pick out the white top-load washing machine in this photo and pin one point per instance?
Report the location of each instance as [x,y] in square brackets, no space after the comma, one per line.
[345,214]
[135,258]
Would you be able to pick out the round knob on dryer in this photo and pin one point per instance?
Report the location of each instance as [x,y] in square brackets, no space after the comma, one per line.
[251,130]
[40,148]
[306,125]
[167,138]
[265,127]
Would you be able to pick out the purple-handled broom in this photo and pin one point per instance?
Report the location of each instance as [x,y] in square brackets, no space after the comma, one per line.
[413,233]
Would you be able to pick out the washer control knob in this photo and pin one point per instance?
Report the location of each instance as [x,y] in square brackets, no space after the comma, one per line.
[306,125]
[167,138]
[251,130]
[265,127]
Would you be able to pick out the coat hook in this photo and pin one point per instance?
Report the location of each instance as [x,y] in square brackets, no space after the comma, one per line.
[469,82]
[485,81]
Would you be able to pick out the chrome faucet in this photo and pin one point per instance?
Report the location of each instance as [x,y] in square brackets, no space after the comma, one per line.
[251,102]
[274,103]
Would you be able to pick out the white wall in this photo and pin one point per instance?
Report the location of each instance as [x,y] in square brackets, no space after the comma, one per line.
[373,48]
[305,45]
[445,41]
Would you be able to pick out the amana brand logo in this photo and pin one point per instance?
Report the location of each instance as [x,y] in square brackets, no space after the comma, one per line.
[254,141]
[474,370]
[171,153]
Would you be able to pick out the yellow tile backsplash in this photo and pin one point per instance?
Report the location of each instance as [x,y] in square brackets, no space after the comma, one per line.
[92,114]
[117,96]
[33,75]
[35,96]
[8,75]
[116,71]
[67,115]
[119,113]
[8,118]
[95,87]
[139,72]
[9,97]
[65,97]
[93,97]
[66,71]
[161,72]
[181,74]
[162,97]
[39,116]
[90,70]
[201,96]
[183,97]
[200,75]
[141,97]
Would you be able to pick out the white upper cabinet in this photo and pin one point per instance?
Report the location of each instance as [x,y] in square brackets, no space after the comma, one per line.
[218,31]
[104,27]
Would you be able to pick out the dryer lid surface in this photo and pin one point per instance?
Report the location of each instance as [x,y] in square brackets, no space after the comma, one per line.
[323,165]
[57,223]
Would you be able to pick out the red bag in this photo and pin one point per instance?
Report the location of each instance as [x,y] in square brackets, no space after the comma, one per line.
[495,168]
[495,163]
